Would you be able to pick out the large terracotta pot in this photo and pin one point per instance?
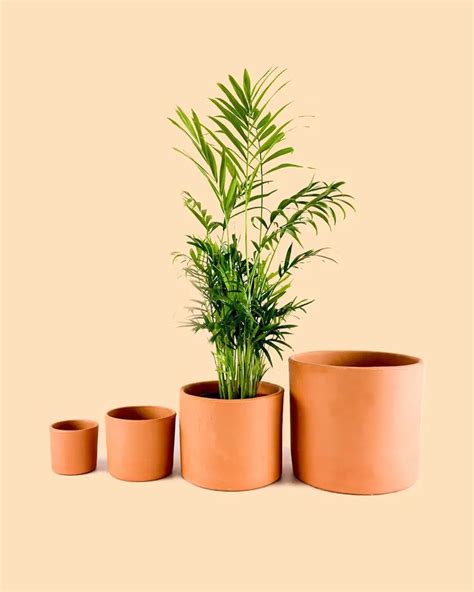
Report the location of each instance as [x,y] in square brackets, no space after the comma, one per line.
[74,446]
[140,442]
[230,445]
[355,420]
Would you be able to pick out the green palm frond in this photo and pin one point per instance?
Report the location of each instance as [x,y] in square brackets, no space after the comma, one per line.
[244,279]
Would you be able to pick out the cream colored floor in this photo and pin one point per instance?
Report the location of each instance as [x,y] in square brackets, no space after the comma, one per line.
[95,532]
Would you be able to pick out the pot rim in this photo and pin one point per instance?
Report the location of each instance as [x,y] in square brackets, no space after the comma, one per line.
[409,361]
[90,425]
[169,413]
[279,390]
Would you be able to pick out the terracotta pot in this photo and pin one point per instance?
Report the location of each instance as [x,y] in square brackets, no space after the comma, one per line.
[230,445]
[74,446]
[355,420]
[140,442]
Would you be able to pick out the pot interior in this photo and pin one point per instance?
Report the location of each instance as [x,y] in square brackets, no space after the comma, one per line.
[141,412]
[355,359]
[74,424]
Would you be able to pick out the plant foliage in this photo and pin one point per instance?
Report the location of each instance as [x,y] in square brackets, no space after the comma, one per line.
[242,262]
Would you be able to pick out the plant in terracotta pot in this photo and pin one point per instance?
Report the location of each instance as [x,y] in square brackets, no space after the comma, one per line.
[241,263]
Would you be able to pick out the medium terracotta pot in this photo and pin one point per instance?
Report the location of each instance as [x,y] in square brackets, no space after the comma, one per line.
[230,445]
[355,420]
[140,442]
[74,446]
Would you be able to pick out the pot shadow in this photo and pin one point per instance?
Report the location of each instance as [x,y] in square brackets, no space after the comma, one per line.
[101,465]
[287,475]
[176,472]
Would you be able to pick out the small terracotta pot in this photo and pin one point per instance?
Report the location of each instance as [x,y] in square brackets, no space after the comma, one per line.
[355,420]
[140,442]
[74,446]
[230,445]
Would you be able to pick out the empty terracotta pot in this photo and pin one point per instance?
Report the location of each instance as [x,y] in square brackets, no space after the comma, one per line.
[355,420]
[230,445]
[140,442]
[74,446]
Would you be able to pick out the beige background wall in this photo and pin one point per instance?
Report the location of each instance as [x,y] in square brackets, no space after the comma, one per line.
[92,210]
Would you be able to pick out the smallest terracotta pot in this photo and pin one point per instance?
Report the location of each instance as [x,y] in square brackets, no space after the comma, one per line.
[74,446]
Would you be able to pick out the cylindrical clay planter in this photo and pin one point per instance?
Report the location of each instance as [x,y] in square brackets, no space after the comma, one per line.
[140,442]
[355,420]
[230,445]
[74,446]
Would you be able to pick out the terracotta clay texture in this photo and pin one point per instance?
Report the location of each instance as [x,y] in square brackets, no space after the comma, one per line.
[140,442]
[230,445]
[355,420]
[74,446]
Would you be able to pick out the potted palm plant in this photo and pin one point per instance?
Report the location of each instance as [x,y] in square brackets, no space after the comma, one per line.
[241,264]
